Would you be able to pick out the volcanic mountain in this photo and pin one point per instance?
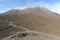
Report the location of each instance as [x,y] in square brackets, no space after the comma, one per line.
[38,19]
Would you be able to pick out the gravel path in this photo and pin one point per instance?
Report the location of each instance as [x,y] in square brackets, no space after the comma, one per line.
[41,36]
[35,38]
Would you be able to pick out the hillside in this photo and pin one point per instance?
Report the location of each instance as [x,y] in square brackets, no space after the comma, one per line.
[7,30]
[37,19]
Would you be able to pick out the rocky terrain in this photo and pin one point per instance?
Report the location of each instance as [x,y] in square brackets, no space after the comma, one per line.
[36,19]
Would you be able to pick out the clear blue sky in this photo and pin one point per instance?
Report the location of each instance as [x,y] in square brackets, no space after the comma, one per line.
[53,5]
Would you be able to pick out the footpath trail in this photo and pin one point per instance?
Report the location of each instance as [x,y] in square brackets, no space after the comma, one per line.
[39,35]
[11,24]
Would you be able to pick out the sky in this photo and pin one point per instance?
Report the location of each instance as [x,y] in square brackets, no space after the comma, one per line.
[53,5]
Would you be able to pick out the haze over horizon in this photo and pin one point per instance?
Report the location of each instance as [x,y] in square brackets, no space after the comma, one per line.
[29,19]
[53,5]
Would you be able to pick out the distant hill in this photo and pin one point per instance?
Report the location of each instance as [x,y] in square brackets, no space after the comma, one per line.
[38,19]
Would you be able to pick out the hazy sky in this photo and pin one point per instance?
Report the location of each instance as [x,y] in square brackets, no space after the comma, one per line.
[53,5]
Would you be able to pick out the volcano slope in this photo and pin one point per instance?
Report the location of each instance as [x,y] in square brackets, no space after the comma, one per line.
[37,19]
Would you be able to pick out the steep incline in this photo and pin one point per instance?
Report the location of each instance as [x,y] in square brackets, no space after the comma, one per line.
[37,19]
